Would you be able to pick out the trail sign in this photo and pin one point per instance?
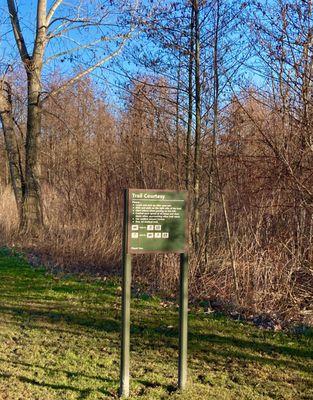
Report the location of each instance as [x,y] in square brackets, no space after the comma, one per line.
[156,221]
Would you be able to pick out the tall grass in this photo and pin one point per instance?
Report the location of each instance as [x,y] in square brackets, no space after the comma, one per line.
[268,279]
[8,215]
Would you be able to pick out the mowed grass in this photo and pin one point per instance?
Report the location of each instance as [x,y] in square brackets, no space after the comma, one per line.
[59,339]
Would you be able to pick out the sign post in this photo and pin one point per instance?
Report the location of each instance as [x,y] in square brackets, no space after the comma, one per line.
[183,322]
[126,295]
[155,221]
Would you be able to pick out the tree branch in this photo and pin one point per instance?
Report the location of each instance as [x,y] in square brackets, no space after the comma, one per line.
[88,70]
[52,10]
[40,31]
[17,31]
[82,46]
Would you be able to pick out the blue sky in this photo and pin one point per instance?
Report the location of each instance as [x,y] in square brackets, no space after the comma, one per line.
[66,64]
[111,77]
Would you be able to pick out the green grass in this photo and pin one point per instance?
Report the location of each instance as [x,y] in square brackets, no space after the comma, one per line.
[59,339]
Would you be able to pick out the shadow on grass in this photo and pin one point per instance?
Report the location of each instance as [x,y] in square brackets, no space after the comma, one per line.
[82,319]
[206,346]
[267,348]
[170,389]
[147,331]
[83,393]
[69,374]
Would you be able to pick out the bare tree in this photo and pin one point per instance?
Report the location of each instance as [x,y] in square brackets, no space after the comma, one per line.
[62,27]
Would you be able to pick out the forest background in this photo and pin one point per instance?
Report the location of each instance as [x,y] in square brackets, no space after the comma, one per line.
[213,97]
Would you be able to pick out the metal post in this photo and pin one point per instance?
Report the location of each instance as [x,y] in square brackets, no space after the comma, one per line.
[183,322]
[126,295]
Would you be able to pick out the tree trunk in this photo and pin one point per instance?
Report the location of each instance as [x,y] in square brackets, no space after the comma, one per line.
[190,99]
[32,216]
[178,88]
[197,130]
[11,145]
[215,154]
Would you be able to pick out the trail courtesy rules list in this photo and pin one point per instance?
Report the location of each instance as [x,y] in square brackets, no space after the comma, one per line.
[157,221]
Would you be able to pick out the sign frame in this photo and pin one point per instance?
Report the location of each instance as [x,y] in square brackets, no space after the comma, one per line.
[186,213]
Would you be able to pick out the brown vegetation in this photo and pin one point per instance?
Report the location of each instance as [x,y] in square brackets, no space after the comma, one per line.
[244,153]
[88,157]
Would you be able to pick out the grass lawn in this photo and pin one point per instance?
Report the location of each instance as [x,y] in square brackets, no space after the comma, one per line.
[59,339]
